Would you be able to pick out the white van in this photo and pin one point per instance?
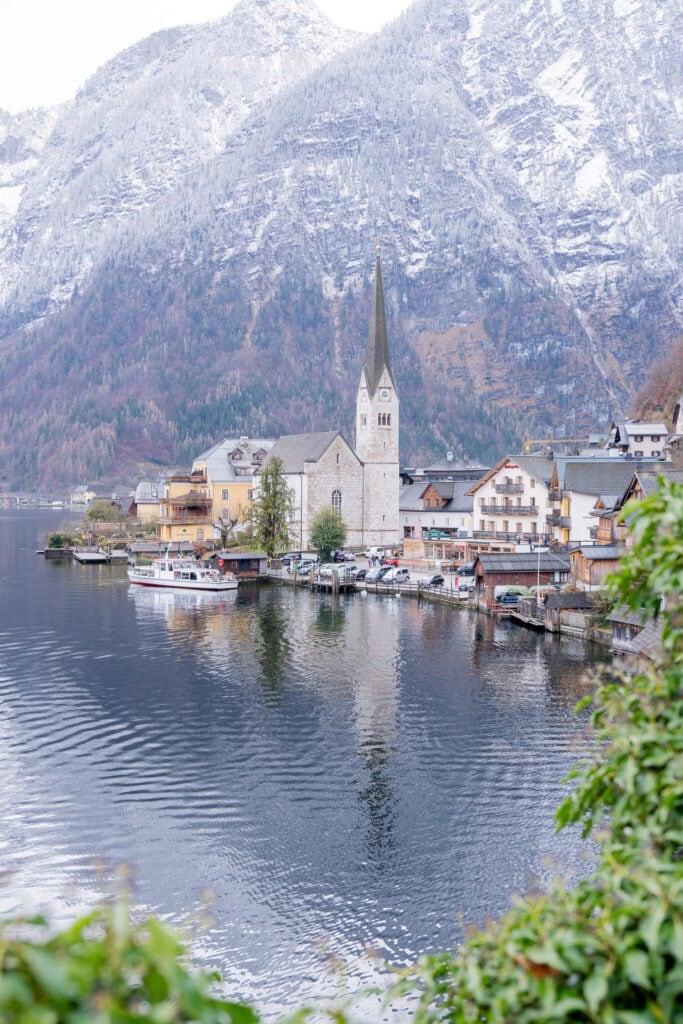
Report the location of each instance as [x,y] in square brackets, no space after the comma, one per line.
[375,552]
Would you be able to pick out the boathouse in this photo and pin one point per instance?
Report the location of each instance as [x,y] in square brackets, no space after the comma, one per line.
[519,569]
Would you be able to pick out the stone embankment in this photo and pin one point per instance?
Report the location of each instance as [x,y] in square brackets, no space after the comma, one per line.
[581,626]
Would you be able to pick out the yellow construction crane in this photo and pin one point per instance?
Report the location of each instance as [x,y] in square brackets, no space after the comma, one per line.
[552,440]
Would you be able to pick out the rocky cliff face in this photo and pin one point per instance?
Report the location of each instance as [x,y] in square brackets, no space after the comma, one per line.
[194,243]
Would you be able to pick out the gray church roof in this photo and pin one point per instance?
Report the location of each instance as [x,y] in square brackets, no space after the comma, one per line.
[297,449]
[378,341]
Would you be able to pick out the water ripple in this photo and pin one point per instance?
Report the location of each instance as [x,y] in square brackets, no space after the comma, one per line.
[339,775]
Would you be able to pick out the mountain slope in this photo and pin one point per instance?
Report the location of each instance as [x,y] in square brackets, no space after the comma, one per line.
[519,163]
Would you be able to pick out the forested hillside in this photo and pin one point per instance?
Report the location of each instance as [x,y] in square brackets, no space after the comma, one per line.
[192,254]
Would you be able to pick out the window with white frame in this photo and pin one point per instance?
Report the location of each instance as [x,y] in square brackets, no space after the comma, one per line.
[336,501]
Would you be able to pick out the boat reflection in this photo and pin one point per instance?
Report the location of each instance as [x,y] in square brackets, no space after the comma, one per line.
[178,605]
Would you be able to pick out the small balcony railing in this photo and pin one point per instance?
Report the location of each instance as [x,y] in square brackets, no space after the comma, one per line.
[553,518]
[594,532]
[509,510]
[554,494]
[494,535]
[509,488]
[183,518]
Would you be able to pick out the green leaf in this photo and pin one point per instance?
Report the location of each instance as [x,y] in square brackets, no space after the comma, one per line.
[637,968]
[595,989]
[50,972]
[651,925]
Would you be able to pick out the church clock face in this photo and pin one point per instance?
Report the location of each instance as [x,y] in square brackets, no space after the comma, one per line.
[384,394]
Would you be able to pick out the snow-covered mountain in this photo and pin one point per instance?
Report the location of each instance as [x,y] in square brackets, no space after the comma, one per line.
[210,202]
[152,115]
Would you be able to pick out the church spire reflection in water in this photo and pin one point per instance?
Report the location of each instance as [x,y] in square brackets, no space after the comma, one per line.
[375,703]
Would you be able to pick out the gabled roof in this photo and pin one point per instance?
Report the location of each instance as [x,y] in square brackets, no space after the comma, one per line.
[148,491]
[159,547]
[601,552]
[238,556]
[454,465]
[296,450]
[410,497]
[219,469]
[523,561]
[645,428]
[626,616]
[538,467]
[571,599]
[649,640]
[598,478]
[444,488]
[377,358]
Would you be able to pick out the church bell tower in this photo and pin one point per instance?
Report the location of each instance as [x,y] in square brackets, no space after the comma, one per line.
[377,431]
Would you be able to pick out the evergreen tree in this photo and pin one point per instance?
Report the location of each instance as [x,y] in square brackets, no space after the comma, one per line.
[272,510]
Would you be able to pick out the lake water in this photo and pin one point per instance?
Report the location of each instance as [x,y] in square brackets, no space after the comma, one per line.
[331,777]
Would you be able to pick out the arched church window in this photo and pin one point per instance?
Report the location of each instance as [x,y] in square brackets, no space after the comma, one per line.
[379,419]
[363,419]
[388,419]
[336,502]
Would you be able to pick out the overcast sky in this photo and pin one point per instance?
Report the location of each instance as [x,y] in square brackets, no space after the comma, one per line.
[49,47]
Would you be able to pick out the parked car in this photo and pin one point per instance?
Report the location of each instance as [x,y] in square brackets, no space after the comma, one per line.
[396,575]
[436,580]
[342,555]
[302,568]
[467,569]
[291,556]
[377,574]
[362,573]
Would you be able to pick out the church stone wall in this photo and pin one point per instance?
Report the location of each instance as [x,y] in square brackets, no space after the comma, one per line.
[338,469]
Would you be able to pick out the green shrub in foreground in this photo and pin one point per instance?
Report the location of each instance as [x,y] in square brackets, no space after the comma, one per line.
[105,970]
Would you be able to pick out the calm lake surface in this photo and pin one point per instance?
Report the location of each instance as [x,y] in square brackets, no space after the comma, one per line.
[336,777]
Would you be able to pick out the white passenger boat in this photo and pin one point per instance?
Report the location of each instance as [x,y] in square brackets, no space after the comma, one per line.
[182,574]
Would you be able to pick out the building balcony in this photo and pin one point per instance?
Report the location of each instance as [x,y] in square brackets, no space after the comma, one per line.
[509,488]
[182,519]
[495,535]
[553,518]
[566,522]
[508,510]
[198,477]
[594,532]
[554,494]
[533,539]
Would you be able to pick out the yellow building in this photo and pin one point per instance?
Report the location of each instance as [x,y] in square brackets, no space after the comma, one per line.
[185,509]
[229,470]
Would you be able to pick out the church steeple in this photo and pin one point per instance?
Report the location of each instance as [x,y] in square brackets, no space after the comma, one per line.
[378,343]
[377,433]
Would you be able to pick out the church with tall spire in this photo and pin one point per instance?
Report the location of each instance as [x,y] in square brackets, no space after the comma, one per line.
[361,483]
[377,427]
